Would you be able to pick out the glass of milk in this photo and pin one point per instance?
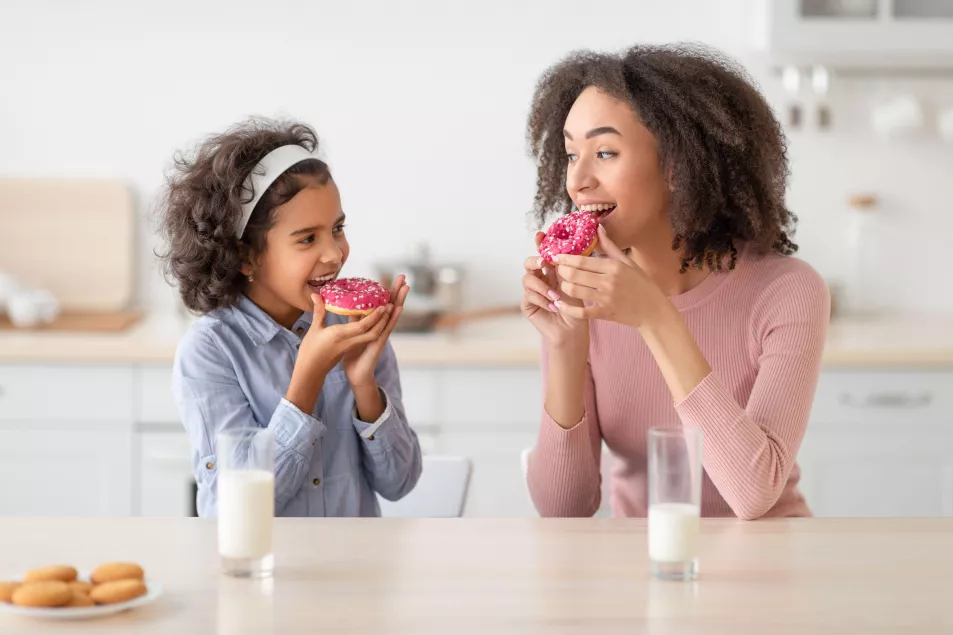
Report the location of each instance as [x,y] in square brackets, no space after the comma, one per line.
[675,483]
[246,501]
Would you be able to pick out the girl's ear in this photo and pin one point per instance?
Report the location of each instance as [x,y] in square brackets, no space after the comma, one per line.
[248,259]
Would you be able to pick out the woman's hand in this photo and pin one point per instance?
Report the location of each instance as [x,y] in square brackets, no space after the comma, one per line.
[613,288]
[360,361]
[544,305]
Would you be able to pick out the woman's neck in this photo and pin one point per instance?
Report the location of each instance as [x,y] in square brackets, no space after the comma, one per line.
[663,265]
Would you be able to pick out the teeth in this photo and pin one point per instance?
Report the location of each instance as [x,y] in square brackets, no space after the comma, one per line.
[323,279]
[598,207]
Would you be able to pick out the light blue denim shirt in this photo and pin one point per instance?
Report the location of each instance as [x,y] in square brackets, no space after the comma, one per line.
[232,369]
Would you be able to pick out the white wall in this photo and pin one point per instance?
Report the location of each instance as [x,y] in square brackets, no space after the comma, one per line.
[422,107]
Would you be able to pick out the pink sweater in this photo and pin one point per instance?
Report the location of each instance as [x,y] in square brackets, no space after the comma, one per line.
[762,328]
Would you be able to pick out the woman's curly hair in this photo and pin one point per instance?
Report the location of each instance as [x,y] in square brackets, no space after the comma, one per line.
[201,205]
[717,138]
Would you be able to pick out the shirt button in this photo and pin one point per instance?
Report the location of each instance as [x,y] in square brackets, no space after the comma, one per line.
[299,330]
[316,482]
[209,465]
[370,438]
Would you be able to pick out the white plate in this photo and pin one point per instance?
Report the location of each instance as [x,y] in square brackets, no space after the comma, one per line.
[153,591]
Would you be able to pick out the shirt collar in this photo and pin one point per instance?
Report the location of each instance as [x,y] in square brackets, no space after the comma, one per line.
[259,326]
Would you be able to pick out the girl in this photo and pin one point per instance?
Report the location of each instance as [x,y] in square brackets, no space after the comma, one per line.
[695,315]
[255,227]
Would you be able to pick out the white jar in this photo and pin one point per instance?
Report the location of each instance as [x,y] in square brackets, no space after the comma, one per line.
[8,287]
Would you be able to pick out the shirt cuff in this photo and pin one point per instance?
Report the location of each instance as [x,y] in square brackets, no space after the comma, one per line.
[367,430]
[294,429]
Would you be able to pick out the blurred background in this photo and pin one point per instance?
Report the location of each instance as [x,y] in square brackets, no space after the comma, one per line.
[421,108]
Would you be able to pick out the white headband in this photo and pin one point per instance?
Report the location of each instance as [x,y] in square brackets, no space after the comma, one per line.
[273,165]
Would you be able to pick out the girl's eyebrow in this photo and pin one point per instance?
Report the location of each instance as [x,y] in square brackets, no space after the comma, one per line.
[313,228]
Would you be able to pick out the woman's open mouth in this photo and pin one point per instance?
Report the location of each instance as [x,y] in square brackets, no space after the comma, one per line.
[601,210]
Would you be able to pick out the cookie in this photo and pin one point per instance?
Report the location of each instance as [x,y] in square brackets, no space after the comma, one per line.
[118,591]
[112,571]
[7,589]
[45,593]
[58,572]
[78,586]
[80,599]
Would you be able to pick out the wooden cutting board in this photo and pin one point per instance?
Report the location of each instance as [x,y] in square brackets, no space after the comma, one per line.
[74,237]
[112,322]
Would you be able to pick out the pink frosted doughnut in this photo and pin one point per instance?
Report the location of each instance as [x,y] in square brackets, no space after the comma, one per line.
[573,234]
[353,296]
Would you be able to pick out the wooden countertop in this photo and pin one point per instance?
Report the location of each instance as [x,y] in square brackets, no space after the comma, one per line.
[520,576]
[511,341]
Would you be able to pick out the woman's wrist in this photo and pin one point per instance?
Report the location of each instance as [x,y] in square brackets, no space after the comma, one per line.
[571,341]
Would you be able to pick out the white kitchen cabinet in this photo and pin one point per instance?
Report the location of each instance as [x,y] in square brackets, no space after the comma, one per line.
[153,396]
[857,33]
[880,443]
[165,483]
[66,439]
[66,393]
[65,470]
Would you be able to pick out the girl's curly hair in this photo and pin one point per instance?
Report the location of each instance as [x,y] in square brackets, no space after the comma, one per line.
[201,205]
[716,134]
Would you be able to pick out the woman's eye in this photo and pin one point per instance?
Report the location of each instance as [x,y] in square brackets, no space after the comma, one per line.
[307,239]
[339,229]
[571,157]
[605,154]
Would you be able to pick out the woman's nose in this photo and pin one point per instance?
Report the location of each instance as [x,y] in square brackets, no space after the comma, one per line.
[579,177]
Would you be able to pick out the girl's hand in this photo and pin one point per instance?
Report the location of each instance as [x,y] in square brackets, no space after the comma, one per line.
[360,361]
[544,305]
[324,346]
[613,288]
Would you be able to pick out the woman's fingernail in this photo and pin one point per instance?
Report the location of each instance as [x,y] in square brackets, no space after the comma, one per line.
[552,307]
[557,304]
[552,295]
[539,262]
[545,271]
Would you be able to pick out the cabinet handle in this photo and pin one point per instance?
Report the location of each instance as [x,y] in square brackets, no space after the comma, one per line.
[887,400]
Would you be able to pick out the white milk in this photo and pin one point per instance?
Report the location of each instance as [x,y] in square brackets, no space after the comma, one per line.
[673,532]
[246,511]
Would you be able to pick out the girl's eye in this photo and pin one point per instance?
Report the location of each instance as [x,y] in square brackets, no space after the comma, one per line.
[605,154]
[307,240]
[339,229]
[571,157]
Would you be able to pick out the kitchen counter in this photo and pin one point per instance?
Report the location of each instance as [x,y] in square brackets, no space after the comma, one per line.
[911,342]
[504,576]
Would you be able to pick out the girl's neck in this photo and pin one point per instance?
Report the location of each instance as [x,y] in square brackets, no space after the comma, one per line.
[278,310]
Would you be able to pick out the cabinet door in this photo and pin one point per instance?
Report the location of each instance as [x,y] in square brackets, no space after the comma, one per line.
[64,471]
[877,470]
[166,484]
[497,485]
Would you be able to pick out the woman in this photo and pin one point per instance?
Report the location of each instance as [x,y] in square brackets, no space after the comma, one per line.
[695,314]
